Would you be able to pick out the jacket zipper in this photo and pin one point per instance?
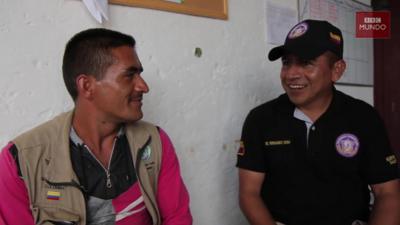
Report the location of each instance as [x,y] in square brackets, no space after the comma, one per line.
[106,170]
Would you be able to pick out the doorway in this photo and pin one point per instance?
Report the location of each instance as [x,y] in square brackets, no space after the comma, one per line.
[387,76]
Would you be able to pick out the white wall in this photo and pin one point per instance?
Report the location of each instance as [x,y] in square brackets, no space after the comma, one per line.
[363,93]
[200,102]
[367,2]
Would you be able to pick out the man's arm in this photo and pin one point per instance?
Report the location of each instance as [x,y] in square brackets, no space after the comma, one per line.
[386,208]
[250,201]
[14,203]
[172,196]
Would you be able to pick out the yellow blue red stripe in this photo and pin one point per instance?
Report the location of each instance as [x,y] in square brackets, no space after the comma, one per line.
[53,195]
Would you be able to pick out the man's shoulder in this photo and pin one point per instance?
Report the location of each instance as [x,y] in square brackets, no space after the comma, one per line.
[141,130]
[354,105]
[53,127]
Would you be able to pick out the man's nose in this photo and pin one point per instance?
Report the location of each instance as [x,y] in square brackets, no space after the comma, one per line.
[140,84]
[293,71]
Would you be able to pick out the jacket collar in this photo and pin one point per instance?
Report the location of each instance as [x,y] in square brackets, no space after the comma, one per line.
[286,107]
[60,167]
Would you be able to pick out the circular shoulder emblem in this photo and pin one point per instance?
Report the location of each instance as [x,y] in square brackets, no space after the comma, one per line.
[146,153]
[298,30]
[347,145]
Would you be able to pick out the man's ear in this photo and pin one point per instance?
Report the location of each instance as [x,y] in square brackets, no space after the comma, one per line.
[84,84]
[338,69]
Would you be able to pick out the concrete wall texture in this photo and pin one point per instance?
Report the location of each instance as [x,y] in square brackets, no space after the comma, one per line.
[201,102]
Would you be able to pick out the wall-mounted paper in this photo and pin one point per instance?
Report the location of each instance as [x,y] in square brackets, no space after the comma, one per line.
[279,20]
[359,54]
[98,9]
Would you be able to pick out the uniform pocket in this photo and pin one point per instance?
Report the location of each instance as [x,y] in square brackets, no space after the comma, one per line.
[54,216]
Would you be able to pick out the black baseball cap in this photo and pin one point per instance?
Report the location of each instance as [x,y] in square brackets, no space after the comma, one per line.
[310,39]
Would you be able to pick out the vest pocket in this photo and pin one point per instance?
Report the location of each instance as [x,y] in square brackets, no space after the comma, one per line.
[54,216]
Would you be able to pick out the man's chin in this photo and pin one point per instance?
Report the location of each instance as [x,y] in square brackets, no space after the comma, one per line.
[297,100]
[135,118]
[129,117]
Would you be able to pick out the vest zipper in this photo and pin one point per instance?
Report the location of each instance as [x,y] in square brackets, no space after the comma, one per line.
[106,170]
[109,184]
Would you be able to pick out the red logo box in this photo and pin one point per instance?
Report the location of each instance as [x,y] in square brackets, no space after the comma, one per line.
[373,24]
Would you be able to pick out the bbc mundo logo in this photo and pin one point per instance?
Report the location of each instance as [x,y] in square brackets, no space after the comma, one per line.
[372,24]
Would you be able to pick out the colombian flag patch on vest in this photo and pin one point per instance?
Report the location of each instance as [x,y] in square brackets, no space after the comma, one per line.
[53,195]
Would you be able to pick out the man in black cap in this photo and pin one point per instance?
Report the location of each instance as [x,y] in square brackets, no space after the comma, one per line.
[310,156]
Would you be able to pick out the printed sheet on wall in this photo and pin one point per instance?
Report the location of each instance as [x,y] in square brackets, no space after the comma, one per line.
[358,52]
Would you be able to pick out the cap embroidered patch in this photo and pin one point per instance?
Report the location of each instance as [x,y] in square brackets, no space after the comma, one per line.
[347,145]
[241,149]
[336,38]
[146,153]
[53,195]
[298,30]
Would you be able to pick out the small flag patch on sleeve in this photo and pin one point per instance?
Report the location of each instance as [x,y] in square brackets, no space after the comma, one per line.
[53,195]
[241,149]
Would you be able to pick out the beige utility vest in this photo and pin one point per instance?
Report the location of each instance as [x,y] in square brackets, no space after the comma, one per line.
[45,162]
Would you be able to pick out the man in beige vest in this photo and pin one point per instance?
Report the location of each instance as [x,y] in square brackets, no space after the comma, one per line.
[97,164]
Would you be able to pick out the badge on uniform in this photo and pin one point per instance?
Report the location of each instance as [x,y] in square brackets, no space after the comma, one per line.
[278,142]
[146,153]
[347,145]
[53,195]
[391,159]
[241,149]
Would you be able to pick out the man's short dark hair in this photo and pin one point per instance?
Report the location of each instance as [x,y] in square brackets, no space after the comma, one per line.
[89,52]
[332,58]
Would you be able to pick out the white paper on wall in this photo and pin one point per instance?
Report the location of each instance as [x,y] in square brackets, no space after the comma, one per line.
[279,20]
[98,9]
